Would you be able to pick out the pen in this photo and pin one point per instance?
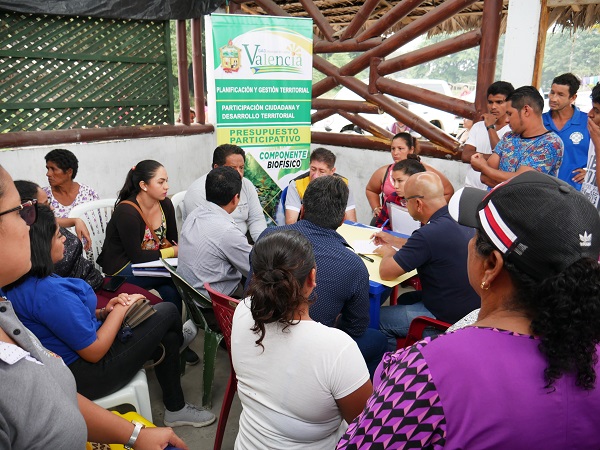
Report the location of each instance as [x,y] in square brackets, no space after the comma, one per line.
[385,223]
[365,257]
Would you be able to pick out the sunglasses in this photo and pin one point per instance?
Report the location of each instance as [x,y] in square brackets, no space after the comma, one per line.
[27,211]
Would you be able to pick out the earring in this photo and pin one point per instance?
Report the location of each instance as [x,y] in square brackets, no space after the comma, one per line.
[483,285]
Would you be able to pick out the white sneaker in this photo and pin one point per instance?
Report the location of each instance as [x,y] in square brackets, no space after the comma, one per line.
[190,330]
[188,415]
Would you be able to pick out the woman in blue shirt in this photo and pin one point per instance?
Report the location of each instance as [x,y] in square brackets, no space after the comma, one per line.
[62,313]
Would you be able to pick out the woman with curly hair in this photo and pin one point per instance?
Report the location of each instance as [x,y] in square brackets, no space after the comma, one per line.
[299,381]
[524,375]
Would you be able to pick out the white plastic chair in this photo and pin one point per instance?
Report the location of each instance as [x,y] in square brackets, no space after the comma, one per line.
[177,201]
[135,393]
[96,215]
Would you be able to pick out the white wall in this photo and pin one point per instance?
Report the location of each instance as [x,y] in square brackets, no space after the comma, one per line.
[104,165]
[358,165]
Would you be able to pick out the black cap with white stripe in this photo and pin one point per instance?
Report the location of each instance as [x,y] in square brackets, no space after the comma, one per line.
[539,223]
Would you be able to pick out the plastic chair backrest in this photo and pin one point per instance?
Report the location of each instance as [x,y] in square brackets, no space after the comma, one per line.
[96,216]
[418,326]
[224,307]
[179,207]
[192,298]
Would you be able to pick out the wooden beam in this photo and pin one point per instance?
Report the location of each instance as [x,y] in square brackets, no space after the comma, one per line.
[366,125]
[57,137]
[426,97]
[350,45]
[449,46]
[320,21]
[389,19]
[270,7]
[353,106]
[541,45]
[558,3]
[377,143]
[364,13]
[389,106]
[325,85]
[410,32]
[322,114]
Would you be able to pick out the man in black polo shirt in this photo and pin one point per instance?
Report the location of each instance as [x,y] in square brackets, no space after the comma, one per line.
[438,250]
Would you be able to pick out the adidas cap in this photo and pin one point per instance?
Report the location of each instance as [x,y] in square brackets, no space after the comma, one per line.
[539,223]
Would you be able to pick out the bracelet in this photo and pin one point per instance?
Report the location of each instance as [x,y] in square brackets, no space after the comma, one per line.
[134,435]
[103,313]
[492,126]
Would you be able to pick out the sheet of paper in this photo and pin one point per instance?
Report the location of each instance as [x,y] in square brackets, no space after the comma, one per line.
[401,220]
[353,234]
[365,247]
[157,263]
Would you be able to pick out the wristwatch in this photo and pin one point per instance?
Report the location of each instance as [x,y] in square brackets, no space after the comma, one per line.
[492,126]
[136,432]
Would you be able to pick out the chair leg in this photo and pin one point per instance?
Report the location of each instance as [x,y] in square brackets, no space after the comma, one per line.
[227,400]
[211,345]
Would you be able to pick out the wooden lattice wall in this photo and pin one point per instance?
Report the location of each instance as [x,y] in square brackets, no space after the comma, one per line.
[65,72]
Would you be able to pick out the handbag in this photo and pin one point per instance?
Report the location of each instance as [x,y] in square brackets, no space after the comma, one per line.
[161,243]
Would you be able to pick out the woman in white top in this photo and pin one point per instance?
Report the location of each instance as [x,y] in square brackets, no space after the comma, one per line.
[299,381]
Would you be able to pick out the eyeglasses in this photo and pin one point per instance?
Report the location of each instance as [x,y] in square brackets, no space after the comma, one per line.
[413,196]
[27,211]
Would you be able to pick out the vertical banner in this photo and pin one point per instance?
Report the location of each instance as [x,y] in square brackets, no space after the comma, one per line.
[262,80]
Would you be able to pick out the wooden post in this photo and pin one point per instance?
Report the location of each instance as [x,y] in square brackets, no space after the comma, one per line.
[182,69]
[541,45]
[197,67]
[486,67]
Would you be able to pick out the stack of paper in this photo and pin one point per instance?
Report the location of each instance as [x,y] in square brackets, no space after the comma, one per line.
[153,268]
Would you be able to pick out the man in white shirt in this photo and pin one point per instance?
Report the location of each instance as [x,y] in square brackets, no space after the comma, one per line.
[248,215]
[485,134]
[590,185]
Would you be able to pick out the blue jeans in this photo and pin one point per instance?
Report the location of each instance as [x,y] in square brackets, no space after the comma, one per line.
[124,360]
[372,344]
[164,285]
[394,321]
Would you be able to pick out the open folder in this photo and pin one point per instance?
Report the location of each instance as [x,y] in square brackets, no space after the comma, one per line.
[354,234]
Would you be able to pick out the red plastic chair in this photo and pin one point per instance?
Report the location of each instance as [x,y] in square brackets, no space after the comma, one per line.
[413,281]
[416,329]
[224,307]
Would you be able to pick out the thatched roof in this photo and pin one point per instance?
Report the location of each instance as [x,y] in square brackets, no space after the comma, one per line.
[577,14]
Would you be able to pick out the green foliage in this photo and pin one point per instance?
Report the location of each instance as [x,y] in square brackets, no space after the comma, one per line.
[571,52]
